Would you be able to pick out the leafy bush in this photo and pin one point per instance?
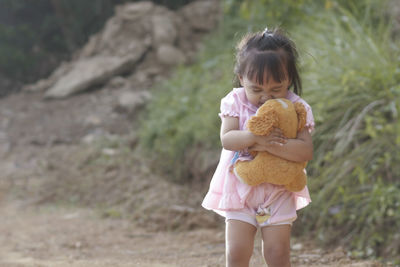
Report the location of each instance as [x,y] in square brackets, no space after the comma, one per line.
[182,120]
[351,79]
[182,117]
[353,85]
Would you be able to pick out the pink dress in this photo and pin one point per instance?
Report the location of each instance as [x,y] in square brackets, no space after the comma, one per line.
[226,192]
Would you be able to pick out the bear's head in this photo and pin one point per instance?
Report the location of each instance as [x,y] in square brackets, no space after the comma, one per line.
[278,113]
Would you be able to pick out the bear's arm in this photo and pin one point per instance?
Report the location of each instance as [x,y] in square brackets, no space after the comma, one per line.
[262,125]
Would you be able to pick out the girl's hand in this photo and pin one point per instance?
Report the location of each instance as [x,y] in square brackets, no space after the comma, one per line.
[274,139]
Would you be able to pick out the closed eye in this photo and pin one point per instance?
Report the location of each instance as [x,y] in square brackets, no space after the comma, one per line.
[256,89]
[277,89]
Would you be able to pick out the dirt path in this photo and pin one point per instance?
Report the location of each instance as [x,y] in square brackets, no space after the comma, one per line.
[53,236]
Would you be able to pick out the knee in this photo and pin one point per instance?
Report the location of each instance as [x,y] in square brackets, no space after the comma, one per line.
[238,253]
[277,255]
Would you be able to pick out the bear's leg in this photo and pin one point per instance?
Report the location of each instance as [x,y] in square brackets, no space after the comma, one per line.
[298,183]
[246,172]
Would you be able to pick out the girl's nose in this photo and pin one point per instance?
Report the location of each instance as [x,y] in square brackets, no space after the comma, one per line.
[264,98]
[267,97]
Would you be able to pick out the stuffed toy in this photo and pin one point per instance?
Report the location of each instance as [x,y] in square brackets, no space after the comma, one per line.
[265,167]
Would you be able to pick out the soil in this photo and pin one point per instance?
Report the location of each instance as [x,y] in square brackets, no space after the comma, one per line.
[44,164]
[49,235]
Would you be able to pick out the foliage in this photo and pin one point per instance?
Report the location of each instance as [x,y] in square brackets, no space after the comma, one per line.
[35,33]
[351,79]
[271,13]
[182,117]
[353,82]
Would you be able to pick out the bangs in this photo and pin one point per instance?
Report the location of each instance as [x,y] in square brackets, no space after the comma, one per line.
[269,65]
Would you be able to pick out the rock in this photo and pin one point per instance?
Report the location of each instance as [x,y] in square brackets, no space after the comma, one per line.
[90,48]
[164,30]
[150,67]
[202,15]
[89,139]
[131,101]
[45,84]
[124,41]
[132,23]
[117,82]
[170,55]
[138,79]
[140,36]
[89,72]
[109,151]
[95,135]
[93,120]
[297,246]
[39,86]
[131,11]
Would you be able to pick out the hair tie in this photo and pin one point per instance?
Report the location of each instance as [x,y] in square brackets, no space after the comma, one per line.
[266,33]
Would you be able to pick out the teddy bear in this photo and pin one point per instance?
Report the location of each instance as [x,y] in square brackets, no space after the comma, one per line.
[265,167]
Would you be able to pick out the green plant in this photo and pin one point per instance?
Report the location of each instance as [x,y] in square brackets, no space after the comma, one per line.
[182,117]
[352,81]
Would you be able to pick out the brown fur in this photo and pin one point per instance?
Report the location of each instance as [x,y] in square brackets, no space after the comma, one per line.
[265,167]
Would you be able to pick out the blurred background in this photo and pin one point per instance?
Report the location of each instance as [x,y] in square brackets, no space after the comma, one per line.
[112,105]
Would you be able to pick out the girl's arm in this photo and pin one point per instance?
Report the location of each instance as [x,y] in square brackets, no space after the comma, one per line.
[299,149]
[234,139]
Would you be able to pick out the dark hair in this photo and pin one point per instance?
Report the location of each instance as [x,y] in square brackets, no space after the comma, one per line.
[268,52]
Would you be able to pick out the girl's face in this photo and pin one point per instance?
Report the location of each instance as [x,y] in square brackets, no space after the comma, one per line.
[257,93]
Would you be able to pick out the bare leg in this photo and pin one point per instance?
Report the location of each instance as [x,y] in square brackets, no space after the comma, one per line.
[239,243]
[276,245]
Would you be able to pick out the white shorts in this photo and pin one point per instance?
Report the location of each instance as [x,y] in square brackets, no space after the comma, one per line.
[280,211]
[251,219]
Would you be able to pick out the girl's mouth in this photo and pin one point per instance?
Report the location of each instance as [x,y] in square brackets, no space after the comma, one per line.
[261,103]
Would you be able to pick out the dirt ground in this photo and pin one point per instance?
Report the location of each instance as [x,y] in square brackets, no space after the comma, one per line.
[57,236]
[40,142]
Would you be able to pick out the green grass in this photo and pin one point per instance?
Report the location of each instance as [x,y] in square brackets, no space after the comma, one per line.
[352,81]
[351,74]
[183,117]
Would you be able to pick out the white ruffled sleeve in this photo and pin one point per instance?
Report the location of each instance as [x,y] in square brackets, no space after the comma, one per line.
[230,105]
[310,124]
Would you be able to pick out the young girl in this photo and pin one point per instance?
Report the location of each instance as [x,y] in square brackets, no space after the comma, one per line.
[266,68]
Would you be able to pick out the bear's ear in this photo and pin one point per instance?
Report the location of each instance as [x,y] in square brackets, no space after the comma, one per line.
[301,115]
[263,125]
